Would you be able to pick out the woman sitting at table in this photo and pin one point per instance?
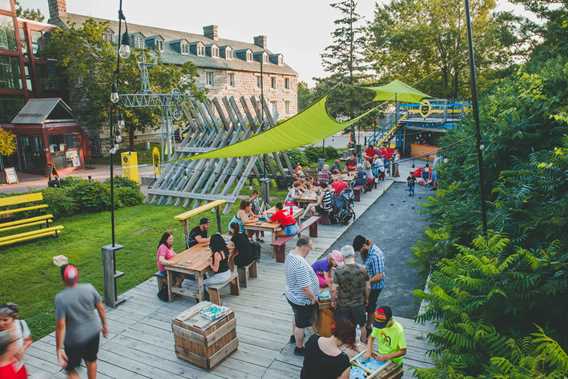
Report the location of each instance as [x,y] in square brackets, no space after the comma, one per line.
[323,359]
[286,221]
[243,254]
[165,252]
[323,268]
[219,263]
[295,191]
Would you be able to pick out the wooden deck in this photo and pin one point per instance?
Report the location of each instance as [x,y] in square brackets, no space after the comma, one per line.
[141,343]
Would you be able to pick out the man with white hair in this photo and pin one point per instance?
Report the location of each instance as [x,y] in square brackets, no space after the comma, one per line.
[324,176]
[350,292]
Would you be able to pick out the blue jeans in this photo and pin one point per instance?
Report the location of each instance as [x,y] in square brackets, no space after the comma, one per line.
[290,230]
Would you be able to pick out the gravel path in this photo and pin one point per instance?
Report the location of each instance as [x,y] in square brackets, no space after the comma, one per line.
[393,222]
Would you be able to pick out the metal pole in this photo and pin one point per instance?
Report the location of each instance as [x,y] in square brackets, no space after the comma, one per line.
[265,183]
[475,106]
[112,222]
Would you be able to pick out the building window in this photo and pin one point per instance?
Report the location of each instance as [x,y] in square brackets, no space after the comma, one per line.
[273,82]
[10,73]
[228,54]
[280,60]
[9,107]
[231,79]
[210,78]
[258,81]
[265,57]
[249,56]
[214,51]
[287,107]
[159,45]
[274,107]
[7,33]
[287,83]
[184,47]
[138,42]
[200,50]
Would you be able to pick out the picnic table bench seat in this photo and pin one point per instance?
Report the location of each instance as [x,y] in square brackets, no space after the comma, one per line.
[279,244]
[246,272]
[16,205]
[214,290]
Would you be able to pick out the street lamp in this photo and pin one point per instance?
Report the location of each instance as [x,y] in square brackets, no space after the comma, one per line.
[475,106]
[124,50]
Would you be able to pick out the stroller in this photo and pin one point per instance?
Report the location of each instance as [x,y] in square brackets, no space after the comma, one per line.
[342,211]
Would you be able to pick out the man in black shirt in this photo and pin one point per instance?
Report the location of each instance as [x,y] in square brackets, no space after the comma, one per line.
[199,233]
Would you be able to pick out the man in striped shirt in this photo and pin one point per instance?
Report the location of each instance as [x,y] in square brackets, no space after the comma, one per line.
[302,289]
[374,261]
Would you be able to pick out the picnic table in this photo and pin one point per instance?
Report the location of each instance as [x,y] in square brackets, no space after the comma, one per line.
[306,198]
[345,177]
[273,227]
[193,261]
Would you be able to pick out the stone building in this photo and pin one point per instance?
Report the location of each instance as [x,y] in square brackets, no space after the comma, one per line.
[226,67]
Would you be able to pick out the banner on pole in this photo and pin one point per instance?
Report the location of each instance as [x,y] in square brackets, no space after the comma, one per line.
[129,161]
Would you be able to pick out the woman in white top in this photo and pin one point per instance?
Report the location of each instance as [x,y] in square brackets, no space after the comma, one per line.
[18,328]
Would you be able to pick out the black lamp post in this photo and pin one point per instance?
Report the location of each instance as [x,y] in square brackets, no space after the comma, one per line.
[475,106]
[109,251]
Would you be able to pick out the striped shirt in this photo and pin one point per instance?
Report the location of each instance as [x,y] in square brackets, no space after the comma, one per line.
[375,263]
[327,200]
[299,274]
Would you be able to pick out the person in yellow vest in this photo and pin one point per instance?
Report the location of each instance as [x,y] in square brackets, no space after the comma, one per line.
[389,335]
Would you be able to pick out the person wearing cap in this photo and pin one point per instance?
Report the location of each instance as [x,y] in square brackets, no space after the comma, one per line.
[374,261]
[198,234]
[350,291]
[77,329]
[389,335]
[10,365]
[302,289]
[323,268]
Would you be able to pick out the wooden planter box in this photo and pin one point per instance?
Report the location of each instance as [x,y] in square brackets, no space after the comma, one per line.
[203,342]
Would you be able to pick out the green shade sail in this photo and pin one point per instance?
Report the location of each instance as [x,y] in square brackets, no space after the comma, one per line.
[398,91]
[306,128]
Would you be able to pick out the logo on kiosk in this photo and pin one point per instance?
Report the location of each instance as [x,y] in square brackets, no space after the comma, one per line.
[425,108]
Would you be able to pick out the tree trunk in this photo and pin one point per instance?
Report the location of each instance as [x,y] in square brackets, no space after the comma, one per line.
[131,139]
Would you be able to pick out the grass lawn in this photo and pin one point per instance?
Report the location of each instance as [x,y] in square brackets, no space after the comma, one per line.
[30,279]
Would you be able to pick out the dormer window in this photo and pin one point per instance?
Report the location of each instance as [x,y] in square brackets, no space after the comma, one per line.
[159,45]
[265,57]
[184,48]
[249,56]
[200,50]
[213,51]
[280,60]
[138,42]
[228,54]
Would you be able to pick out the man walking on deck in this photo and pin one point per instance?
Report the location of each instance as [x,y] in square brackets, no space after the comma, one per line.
[302,289]
[374,261]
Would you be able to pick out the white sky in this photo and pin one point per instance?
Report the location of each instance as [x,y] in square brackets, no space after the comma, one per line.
[300,29]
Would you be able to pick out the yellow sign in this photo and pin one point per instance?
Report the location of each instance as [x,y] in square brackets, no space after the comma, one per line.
[425,108]
[129,161]
[156,161]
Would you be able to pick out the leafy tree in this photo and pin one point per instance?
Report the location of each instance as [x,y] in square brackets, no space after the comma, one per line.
[7,147]
[87,62]
[305,96]
[29,14]
[344,59]
[425,41]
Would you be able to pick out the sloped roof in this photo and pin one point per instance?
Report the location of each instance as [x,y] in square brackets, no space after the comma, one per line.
[170,56]
[37,111]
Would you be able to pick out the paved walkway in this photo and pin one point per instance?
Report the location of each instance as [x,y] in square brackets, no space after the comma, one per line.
[141,343]
[394,224]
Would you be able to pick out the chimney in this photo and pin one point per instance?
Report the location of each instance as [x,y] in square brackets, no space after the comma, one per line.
[261,41]
[211,31]
[57,11]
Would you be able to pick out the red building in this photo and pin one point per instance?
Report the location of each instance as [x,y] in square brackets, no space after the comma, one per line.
[25,74]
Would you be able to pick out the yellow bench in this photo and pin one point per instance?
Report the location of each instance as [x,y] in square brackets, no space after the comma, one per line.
[186,217]
[21,204]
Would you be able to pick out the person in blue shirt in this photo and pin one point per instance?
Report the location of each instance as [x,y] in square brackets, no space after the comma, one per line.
[374,261]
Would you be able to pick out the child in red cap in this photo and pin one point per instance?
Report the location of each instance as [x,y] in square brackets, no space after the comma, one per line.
[391,342]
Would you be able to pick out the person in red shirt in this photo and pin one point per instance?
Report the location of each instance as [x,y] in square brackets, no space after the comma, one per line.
[351,164]
[339,186]
[286,220]
[370,153]
[10,367]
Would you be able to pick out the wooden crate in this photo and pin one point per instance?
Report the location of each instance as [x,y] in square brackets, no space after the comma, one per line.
[203,342]
[389,371]
[324,319]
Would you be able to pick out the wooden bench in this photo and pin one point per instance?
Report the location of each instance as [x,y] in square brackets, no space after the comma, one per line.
[357,192]
[246,272]
[186,217]
[312,224]
[214,290]
[279,244]
[21,203]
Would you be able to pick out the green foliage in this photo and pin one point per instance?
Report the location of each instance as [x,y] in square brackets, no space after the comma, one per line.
[297,157]
[305,96]
[122,181]
[70,181]
[128,197]
[426,41]
[91,196]
[60,202]
[29,14]
[314,153]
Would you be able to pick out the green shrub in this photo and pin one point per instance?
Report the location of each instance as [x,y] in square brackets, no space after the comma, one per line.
[60,202]
[297,157]
[123,182]
[128,197]
[91,196]
[313,153]
[70,181]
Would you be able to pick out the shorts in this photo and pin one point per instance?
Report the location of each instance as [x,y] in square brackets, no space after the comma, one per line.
[373,297]
[355,314]
[303,314]
[290,230]
[86,351]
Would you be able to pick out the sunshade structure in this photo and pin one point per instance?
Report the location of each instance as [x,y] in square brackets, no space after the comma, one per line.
[398,91]
[308,127]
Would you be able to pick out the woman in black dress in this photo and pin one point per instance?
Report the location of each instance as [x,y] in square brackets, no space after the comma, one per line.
[243,247]
[323,359]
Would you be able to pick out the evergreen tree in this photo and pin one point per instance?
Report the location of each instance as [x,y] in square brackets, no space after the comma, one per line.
[29,14]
